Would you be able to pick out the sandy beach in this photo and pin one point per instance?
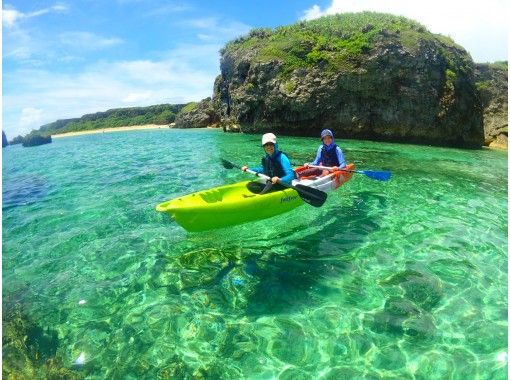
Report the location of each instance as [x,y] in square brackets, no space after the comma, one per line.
[118,129]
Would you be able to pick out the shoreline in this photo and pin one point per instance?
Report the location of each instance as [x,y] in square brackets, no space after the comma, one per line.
[118,129]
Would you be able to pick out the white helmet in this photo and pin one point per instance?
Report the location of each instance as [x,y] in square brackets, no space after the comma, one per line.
[268,138]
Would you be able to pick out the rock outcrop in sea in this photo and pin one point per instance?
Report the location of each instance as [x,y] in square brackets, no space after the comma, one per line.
[4,140]
[35,139]
[364,75]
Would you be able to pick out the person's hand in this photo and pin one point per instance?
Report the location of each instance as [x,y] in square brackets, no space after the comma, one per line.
[306,164]
[244,168]
[275,180]
[334,168]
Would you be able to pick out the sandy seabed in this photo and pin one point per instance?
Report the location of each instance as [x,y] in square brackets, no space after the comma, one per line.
[118,129]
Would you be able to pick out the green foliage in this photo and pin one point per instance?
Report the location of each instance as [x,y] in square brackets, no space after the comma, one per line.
[118,117]
[483,85]
[189,107]
[499,65]
[450,76]
[290,86]
[332,41]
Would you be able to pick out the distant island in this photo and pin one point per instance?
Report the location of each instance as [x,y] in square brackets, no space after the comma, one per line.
[162,114]
[114,119]
[364,75]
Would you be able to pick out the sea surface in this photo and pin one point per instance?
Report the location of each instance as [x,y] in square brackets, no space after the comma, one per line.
[405,279]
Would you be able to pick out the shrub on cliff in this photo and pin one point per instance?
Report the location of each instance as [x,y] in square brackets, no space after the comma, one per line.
[333,41]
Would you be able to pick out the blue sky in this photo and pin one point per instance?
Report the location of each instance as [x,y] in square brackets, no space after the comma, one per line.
[63,59]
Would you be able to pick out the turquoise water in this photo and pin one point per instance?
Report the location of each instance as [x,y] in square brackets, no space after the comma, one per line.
[405,279]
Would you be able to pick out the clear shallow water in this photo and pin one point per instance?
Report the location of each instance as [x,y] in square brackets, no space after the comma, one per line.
[399,279]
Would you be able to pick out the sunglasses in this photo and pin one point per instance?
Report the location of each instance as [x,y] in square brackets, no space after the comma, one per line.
[267,144]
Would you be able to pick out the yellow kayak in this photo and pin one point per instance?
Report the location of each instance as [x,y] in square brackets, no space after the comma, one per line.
[238,203]
[227,206]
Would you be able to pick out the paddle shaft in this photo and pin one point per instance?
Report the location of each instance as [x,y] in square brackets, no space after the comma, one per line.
[378,175]
[328,168]
[314,197]
[263,176]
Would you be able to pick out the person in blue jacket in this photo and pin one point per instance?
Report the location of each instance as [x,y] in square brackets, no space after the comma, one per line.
[328,154]
[275,163]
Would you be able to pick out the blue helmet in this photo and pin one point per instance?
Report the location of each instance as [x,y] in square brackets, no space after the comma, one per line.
[326,132]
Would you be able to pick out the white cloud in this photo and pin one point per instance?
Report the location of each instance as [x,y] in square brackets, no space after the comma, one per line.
[19,45]
[136,97]
[27,47]
[23,44]
[205,37]
[214,28]
[87,41]
[481,27]
[168,9]
[38,96]
[11,16]
[313,12]
[30,116]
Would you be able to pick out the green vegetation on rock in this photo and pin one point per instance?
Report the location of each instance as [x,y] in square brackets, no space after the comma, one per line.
[189,107]
[334,42]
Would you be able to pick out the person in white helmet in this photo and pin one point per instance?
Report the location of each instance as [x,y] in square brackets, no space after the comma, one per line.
[275,163]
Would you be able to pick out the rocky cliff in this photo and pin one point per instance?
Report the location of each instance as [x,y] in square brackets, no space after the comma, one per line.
[364,75]
[197,115]
[492,83]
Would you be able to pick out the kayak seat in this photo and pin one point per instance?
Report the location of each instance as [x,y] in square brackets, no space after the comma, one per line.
[308,173]
[255,187]
[258,187]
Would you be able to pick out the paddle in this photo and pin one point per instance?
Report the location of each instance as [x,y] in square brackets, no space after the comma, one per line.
[314,197]
[380,175]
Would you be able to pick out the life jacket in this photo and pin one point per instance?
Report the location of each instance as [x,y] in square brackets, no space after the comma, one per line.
[329,158]
[273,166]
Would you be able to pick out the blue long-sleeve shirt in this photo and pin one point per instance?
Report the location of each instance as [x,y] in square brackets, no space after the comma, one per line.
[287,168]
[339,155]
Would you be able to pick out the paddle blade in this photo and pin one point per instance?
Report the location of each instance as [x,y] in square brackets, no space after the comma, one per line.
[380,176]
[312,196]
[227,164]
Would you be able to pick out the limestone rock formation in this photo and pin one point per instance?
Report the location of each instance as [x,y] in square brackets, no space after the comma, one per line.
[364,75]
[35,139]
[492,82]
[196,115]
